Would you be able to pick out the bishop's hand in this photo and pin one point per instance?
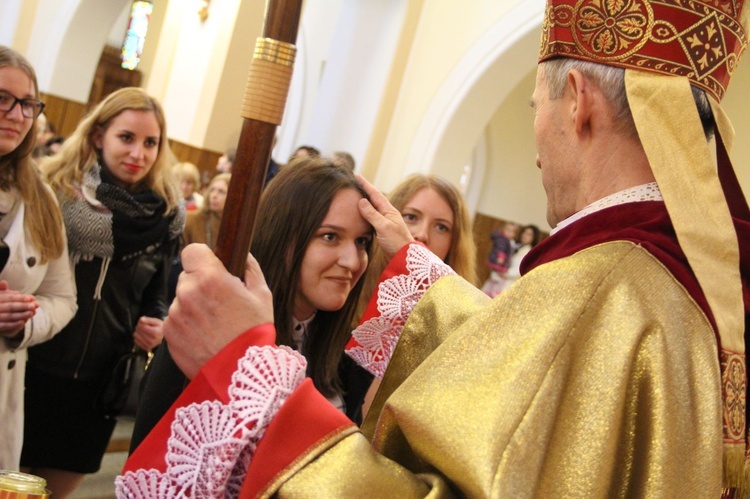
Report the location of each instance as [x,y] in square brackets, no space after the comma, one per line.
[213,307]
[392,232]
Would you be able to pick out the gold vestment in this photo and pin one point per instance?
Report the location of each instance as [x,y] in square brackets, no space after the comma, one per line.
[595,375]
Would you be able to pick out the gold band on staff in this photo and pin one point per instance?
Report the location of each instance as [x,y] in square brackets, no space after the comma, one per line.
[268,81]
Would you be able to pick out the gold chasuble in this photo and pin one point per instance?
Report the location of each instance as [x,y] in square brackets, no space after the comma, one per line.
[518,384]
[603,383]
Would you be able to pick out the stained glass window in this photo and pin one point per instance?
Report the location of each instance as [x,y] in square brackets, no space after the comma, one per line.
[140,13]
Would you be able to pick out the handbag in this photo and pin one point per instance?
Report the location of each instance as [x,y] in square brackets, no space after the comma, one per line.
[119,396]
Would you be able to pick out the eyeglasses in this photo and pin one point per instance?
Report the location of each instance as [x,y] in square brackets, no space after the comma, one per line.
[30,108]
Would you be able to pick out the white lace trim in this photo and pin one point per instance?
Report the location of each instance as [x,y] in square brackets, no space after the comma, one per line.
[397,297]
[211,443]
[637,194]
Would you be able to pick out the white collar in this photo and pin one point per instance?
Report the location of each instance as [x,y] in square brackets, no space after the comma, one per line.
[639,193]
[299,330]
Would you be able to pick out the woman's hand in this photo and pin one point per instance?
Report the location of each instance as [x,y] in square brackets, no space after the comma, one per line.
[213,307]
[148,333]
[15,310]
[392,232]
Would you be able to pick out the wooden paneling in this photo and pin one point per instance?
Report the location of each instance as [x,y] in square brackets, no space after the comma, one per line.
[204,159]
[64,114]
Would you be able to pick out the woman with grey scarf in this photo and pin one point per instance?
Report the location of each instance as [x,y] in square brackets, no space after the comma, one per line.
[123,218]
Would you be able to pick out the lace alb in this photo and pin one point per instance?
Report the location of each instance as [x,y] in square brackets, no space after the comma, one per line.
[397,297]
[211,443]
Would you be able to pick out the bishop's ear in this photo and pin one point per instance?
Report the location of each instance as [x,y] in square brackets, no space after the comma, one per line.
[580,94]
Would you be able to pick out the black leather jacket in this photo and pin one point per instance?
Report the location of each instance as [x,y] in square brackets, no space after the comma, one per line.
[102,330]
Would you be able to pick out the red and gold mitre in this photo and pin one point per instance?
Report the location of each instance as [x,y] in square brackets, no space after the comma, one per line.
[699,39]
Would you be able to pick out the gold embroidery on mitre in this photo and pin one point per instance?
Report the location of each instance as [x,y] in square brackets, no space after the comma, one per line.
[610,31]
[731,7]
[705,46]
[556,16]
[734,385]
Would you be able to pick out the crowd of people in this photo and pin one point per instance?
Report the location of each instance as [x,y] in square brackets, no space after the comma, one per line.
[119,210]
[607,360]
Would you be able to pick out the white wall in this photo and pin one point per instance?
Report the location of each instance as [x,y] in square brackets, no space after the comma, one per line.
[10,10]
[196,68]
[512,187]
[67,41]
[117,34]
[356,72]
[315,35]
[453,74]
[737,105]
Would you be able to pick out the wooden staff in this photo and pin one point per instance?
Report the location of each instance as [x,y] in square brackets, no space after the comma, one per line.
[262,109]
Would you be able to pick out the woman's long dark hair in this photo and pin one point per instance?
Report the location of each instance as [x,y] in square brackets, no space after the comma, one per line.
[291,210]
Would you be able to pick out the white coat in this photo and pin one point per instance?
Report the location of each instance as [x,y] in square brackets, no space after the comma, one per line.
[53,286]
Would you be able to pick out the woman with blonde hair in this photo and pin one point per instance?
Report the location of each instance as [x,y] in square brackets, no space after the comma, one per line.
[418,198]
[37,294]
[202,226]
[189,179]
[436,214]
[123,218]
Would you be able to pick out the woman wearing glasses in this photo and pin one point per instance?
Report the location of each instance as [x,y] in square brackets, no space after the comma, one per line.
[123,220]
[37,295]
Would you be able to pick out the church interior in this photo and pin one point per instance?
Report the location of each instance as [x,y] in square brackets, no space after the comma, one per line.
[404,86]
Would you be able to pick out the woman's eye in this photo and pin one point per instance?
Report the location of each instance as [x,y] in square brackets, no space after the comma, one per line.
[409,217]
[363,242]
[126,137]
[443,228]
[330,237]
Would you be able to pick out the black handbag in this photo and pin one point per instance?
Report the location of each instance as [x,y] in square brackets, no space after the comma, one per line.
[119,396]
